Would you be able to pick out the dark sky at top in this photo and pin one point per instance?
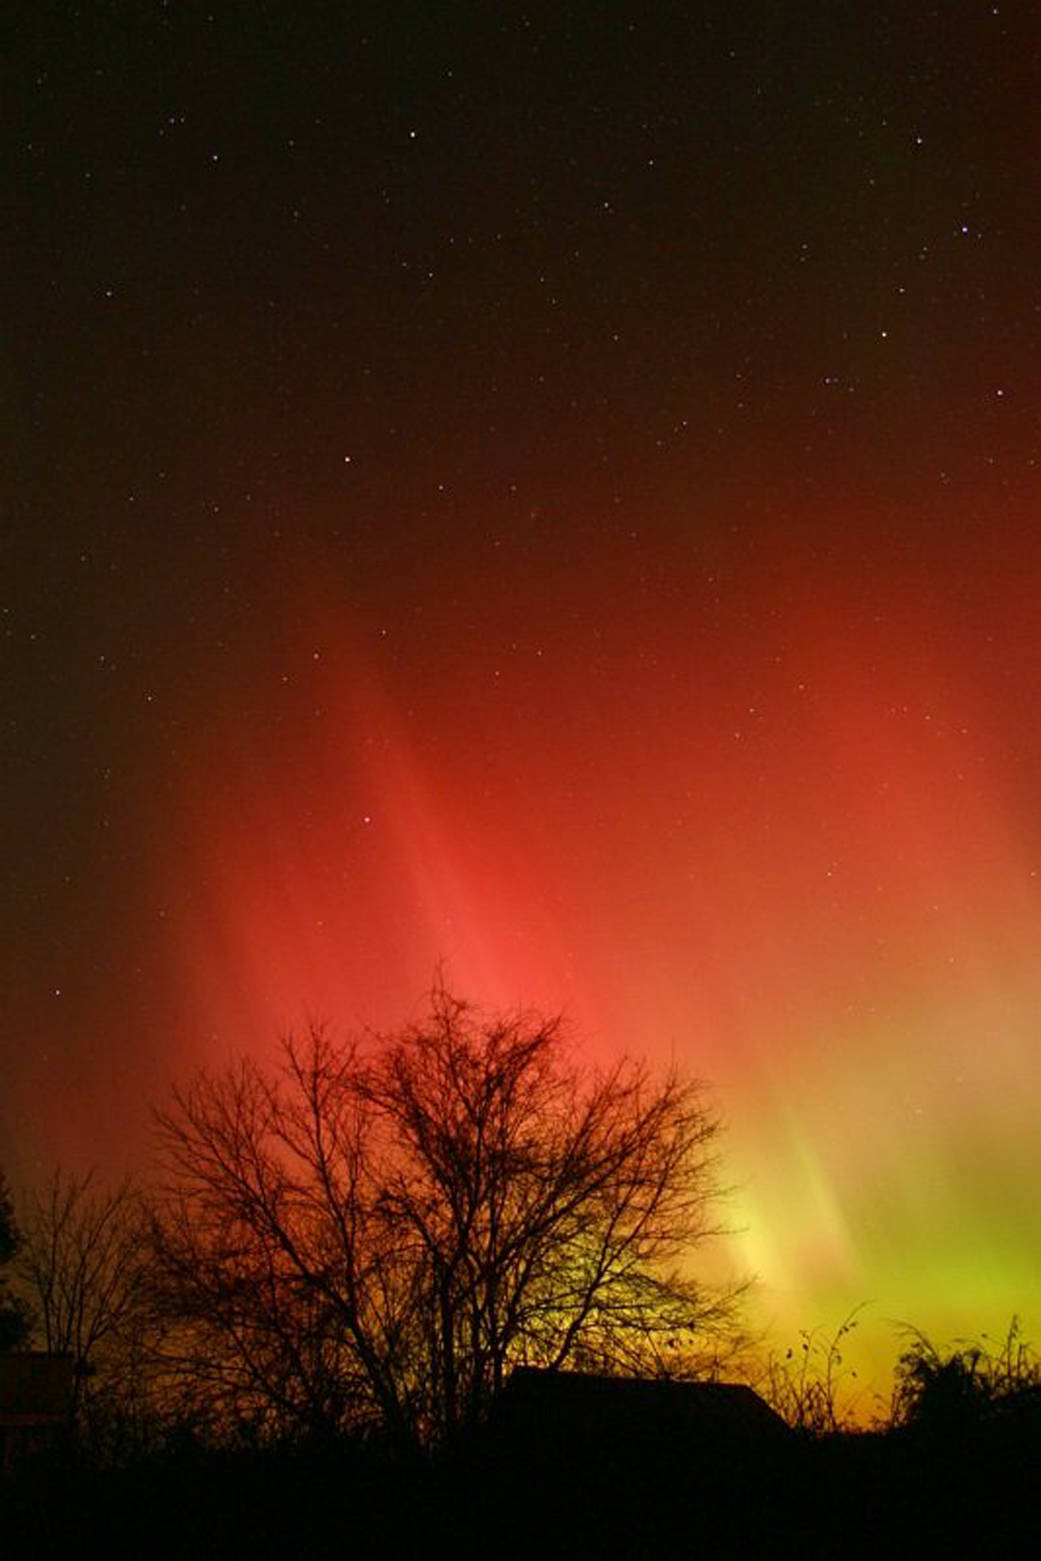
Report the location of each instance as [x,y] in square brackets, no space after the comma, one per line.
[549,486]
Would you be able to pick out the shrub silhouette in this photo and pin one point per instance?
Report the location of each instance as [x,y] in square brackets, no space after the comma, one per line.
[808,1385]
[953,1392]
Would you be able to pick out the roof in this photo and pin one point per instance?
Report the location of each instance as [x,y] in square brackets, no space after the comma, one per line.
[599,1407]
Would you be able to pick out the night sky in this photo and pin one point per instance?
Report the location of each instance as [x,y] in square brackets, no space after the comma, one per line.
[551,489]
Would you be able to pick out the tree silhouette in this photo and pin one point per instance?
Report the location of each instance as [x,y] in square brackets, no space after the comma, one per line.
[15,1315]
[379,1233]
[85,1259]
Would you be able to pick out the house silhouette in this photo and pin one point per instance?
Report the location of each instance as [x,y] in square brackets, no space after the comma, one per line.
[36,1395]
[610,1465]
[596,1408]
[574,1424]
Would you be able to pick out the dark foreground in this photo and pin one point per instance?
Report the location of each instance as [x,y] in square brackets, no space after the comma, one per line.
[890,1495]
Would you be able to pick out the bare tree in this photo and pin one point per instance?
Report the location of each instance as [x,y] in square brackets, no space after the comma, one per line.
[382,1232]
[84,1261]
[277,1294]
